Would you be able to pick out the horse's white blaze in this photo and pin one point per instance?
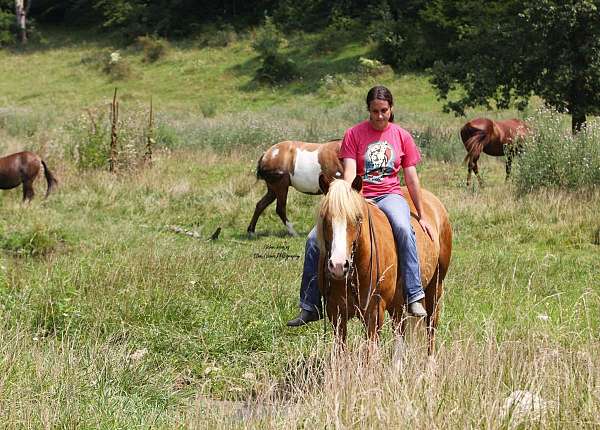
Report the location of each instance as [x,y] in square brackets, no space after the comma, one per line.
[274,153]
[306,171]
[338,247]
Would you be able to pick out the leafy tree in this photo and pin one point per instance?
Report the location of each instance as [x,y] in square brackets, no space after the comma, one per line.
[502,52]
[401,40]
[7,19]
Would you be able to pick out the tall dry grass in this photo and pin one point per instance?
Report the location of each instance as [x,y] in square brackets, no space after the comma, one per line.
[520,383]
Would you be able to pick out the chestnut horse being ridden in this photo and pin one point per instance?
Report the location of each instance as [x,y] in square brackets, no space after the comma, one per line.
[349,226]
[23,168]
[495,138]
[296,164]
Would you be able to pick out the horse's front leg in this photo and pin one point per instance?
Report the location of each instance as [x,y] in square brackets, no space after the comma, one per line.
[374,322]
[374,319]
[399,327]
[339,321]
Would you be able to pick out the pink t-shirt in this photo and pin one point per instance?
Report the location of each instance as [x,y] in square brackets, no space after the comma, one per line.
[379,156]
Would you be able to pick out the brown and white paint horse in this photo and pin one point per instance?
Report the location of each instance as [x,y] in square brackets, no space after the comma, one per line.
[355,235]
[23,168]
[496,138]
[296,164]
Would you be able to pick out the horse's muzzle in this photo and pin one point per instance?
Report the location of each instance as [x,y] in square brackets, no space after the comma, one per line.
[338,270]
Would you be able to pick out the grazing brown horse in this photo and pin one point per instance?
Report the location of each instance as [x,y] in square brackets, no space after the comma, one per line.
[350,227]
[23,168]
[296,164]
[495,138]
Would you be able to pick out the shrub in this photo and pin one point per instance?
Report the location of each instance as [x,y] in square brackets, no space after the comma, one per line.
[367,67]
[268,39]
[553,157]
[90,137]
[208,109]
[275,67]
[153,47]
[116,66]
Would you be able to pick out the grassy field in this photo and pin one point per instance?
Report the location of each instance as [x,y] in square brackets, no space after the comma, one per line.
[112,319]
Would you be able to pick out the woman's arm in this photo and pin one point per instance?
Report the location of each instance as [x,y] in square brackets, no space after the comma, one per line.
[414,189]
[349,170]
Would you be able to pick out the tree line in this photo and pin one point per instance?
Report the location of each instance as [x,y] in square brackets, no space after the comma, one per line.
[492,53]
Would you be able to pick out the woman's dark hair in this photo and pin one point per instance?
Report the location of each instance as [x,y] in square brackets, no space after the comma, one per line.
[380,93]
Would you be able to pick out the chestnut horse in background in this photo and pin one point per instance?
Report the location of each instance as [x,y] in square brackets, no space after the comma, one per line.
[296,164]
[350,228]
[495,138]
[23,168]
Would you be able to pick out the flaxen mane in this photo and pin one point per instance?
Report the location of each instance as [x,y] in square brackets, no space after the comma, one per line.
[340,202]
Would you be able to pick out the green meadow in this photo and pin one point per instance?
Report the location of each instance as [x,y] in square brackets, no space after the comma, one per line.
[114,318]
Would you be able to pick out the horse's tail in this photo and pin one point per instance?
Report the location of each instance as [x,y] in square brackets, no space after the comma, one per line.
[259,171]
[50,178]
[268,175]
[474,140]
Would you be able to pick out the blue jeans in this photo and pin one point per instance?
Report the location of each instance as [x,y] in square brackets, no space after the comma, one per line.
[398,214]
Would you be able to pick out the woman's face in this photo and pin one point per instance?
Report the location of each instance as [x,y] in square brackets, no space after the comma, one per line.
[379,114]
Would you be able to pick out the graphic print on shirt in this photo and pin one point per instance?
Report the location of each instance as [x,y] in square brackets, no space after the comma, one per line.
[379,161]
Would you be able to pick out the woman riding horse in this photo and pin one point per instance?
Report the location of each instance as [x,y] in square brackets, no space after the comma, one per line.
[375,149]
[351,229]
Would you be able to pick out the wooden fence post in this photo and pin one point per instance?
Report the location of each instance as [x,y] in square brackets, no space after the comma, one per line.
[113,133]
[149,138]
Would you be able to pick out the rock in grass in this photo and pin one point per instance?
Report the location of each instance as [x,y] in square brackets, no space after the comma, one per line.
[524,405]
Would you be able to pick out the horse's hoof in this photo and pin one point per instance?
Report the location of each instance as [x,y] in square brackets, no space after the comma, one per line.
[251,235]
[290,229]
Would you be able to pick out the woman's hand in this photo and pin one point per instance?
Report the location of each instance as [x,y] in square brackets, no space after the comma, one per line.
[426,228]
[414,189]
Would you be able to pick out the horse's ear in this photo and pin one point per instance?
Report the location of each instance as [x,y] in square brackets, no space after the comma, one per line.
[357,183]
[324,181]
